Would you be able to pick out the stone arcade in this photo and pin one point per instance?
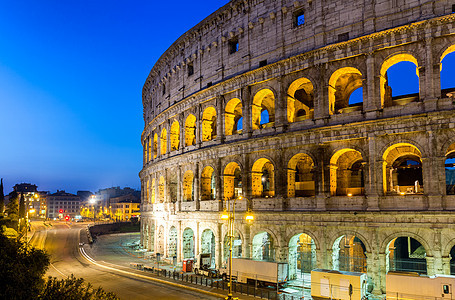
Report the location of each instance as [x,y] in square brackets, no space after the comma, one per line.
[256,101]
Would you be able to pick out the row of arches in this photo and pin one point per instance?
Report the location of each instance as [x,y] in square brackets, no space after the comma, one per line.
[347,252]
[402,170]
[345,94]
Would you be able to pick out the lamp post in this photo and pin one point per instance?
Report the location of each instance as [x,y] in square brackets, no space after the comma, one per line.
[229,215]
[93,201]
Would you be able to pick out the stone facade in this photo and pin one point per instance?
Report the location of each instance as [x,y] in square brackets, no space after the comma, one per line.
[254,101]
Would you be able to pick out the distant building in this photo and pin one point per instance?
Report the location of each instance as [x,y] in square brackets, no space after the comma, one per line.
[25,188]
[35,201]
[84,195]
[62,204]
[125,207]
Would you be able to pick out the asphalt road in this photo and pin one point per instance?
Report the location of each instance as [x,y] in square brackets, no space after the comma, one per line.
[61,241]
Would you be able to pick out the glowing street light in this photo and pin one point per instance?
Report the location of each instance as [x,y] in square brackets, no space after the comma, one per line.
[229,215]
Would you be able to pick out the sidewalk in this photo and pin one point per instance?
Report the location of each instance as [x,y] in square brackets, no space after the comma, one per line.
[113,251]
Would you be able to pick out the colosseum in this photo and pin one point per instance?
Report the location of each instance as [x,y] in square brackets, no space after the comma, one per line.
[291,105]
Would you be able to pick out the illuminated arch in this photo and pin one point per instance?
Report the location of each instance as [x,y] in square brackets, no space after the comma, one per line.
[264,100]
[155,145]
[190,130]
[349,254]
[342,83]
[208,184]
[263,178]
[175,135]
[302,255]
[386,93]
[172,242]
[346,173]
[152,187]
[402,169]
[188,243]
[163,141]
[300,104]
[209,124]
[188,182]
[232,181]
[232,116]
[301,181]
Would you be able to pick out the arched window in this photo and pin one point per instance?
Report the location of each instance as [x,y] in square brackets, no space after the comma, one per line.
[209,124]
[342,84]
[263,179]
[208,184]
[190,131]
[346,173]
[349,254]
[264,100]
[406,254]
[163,141]
[300,104]
[447,69]
[395,91]
[175,136]
[233,116]
[188,182]
[300,176]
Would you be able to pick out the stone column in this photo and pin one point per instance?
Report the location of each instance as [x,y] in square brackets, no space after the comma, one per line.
[218,246]
[196,186]
[219,118]
[371,182]
[246,179]
[218,184]
[445,260]
[321,100]
[182,133]
[371,96]
[379,281]
[198,125]
[246,110]
[430,265]
[179,241]
[323,179]
[281,121]
[179,189]
[168,137]
[281,179]
[197,241]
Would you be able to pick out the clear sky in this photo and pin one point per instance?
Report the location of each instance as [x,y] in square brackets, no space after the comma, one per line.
[71,77]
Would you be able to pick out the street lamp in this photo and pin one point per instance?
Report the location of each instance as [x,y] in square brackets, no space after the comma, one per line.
[229,215]
[93,201]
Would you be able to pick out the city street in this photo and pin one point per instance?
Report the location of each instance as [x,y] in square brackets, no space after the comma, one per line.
[61,241]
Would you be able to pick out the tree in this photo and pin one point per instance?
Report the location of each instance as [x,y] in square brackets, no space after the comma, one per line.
[22,207]
[2,199]
[22,269]
[12,209]
[73,289]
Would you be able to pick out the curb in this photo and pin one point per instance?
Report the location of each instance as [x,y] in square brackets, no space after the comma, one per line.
[91,260]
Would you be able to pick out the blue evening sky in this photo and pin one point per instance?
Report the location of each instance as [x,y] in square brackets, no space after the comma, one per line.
[71,77]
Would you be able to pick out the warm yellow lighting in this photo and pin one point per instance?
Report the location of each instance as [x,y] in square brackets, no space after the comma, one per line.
[36,195]
[249,217]
[224,216]
[32,211]
[402,193]
[349,195]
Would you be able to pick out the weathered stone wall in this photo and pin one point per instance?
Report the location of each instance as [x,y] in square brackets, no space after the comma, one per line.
[348,153]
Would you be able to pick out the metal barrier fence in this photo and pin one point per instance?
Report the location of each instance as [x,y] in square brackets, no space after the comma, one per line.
[237,287]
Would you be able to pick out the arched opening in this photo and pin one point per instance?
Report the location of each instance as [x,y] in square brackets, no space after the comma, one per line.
[155,145]
[147,192]
[395,90]
[233,117]
[175,136]
[263,179]
[300,100]
[208,245]
[263,247]
[447,69]
[209,124]
[406,254]
[301,176]
[172,243]
[452,261]
[188,182]
[349,254]
[172,187]
[149,148]
[302,257]
[450,170]
[236,246]
[403,170]
[232,181]
[163,141]
[190,131]
[160,246]
[153,187]
[188,243]
[239,125]
[346,173]
[161,189]
[208,184]
[264,100]
[342,84]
